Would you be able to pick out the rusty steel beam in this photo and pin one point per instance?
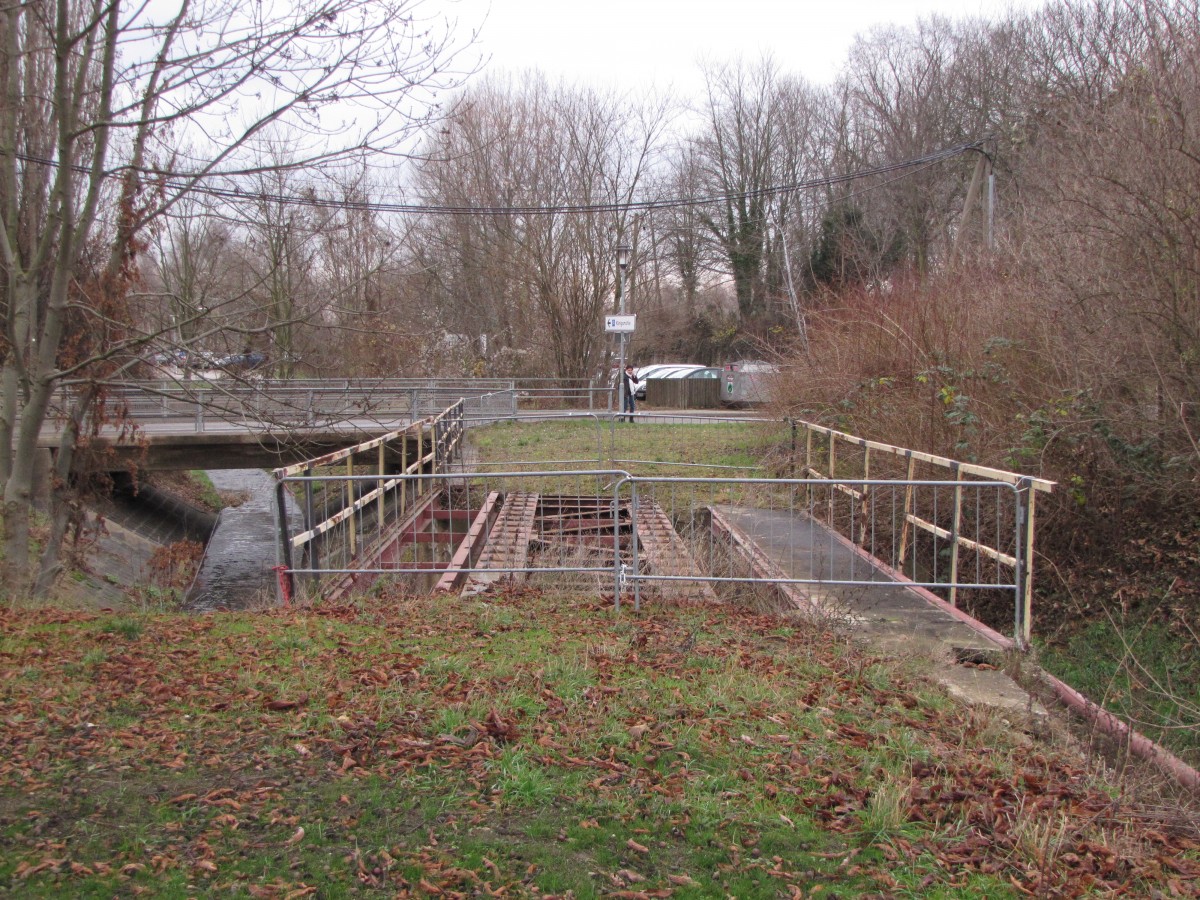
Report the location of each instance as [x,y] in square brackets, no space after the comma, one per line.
[472,545]
[667,554]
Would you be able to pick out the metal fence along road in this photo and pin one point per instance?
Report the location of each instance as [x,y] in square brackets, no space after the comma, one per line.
[207,404]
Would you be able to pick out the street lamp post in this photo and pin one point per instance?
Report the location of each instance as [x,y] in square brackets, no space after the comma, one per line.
[623,254]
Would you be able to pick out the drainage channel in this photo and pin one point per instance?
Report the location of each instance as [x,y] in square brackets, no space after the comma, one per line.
[237,569]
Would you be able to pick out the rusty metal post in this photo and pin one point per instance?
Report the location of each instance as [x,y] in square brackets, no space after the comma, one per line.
[287,582]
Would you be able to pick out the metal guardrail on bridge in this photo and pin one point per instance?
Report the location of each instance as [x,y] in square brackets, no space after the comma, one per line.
[309,403]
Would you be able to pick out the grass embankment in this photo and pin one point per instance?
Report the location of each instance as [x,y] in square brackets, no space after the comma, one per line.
[527,744]
[1130,645]
[735,449]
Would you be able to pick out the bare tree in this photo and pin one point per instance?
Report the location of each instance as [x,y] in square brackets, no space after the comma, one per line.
[192,250]
[96,97]
[1112,232]
[737,154]
[531,160]
[756,139]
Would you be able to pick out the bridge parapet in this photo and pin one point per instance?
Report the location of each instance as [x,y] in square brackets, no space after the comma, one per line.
[269,404]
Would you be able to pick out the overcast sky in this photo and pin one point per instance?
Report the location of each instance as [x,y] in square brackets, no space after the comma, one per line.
[637,45]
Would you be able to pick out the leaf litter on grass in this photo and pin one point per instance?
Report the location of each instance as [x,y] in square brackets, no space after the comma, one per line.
[527,743]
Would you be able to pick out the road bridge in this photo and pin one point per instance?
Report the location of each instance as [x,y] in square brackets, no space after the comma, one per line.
[268,424]
[271,424]
[159,445]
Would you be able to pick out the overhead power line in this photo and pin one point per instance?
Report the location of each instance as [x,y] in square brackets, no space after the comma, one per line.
[174,182]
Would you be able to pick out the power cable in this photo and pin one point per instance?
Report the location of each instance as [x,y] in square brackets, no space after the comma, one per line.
[179,183]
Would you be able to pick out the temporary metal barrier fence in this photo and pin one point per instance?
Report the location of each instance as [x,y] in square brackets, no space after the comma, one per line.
[609,530]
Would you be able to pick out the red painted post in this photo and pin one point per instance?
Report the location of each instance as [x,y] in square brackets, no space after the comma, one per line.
[285,585]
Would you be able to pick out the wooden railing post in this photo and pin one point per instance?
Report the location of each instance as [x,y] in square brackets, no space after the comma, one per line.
[866,491]
[955,524]
[908,502]
[808,469]
[352,498]
[1024,567]
[832,475]
[382,471]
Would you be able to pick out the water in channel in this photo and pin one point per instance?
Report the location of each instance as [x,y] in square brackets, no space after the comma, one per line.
[237,572]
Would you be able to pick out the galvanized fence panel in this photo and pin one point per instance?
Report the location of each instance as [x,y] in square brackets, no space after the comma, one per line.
[613,533]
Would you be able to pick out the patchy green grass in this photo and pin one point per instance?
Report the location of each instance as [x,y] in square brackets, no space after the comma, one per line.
[208,493]
[525,743]
[750,448]
[1142,669]
[729,449]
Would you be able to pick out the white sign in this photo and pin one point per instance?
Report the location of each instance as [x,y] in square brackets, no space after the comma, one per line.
[620,323]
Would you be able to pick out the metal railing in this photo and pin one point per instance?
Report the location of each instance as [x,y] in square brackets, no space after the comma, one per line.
[611,531]
[276,403]
[309,404]
[315,402]
[828,453]
[345,512]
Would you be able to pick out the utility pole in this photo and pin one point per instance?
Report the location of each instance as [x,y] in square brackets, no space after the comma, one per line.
[982,165]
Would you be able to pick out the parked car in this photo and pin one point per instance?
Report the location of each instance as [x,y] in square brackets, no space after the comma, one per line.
[248,361]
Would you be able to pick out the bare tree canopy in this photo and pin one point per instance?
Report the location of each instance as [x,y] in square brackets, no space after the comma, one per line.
[99,100]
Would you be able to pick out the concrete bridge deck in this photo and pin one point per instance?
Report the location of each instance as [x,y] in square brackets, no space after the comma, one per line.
[897,618]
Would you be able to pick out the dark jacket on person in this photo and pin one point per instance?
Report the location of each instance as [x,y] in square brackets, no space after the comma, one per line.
[630,380]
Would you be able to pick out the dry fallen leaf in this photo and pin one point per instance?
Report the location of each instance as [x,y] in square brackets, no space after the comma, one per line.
[636,847]
[297,837]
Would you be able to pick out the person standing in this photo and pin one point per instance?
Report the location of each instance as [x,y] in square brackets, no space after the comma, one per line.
[631,379]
